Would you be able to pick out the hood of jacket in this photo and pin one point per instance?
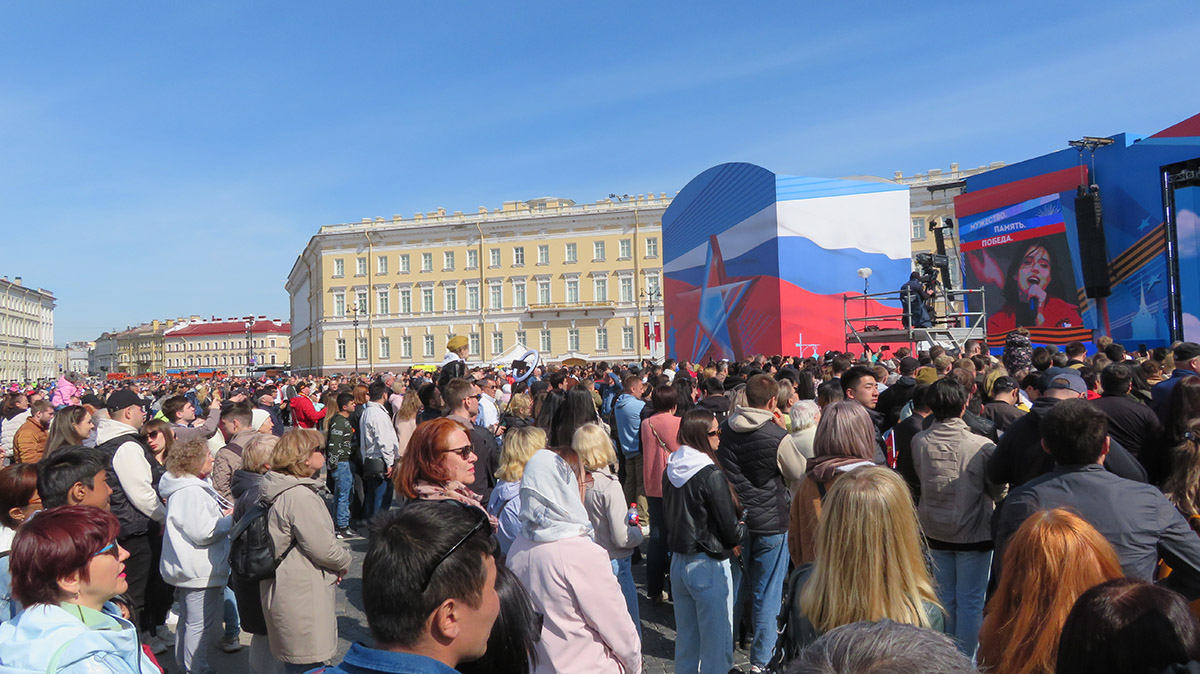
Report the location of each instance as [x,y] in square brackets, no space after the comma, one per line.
[824,469]
[170,484]
[747,419]
[684,463]
[274,483]
[243,481]
[107,429]
[29,642]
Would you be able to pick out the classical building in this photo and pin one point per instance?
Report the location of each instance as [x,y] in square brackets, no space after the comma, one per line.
[26,332]
[235,346]
[140,349]
[548,274]
[77,356]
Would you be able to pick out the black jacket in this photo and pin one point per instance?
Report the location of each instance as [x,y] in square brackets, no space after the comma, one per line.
[1019,456]
[133,522]
[719,405]
[1002,414]
[246,488]
[894,399]
[902,434]
[702,515]
[749,453]
[1138,429]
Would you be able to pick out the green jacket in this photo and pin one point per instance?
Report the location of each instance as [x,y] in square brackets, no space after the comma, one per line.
[340,441]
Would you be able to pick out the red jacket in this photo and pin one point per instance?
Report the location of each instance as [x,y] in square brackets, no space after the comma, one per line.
[304,415]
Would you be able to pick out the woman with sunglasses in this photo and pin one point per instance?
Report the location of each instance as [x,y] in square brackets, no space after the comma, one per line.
[66,568]
[159,436]
[299,604]
[705,529]
[439,464]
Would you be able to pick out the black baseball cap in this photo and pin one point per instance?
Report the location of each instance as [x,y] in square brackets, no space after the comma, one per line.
[121,399]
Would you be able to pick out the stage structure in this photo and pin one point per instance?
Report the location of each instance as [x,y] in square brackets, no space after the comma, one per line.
[1097,239]
[757,262]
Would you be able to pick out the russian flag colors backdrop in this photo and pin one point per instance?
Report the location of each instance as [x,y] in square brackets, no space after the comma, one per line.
[757,262]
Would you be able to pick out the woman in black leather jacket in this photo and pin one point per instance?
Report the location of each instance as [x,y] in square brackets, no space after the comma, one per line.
[705,528]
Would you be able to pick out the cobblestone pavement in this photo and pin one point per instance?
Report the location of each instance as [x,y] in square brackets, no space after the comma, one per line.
[658,626]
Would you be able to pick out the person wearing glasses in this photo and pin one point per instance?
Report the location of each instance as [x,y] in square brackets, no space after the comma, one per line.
[298,603]
[429,590]
[587,626]
[439,465]
[67,567]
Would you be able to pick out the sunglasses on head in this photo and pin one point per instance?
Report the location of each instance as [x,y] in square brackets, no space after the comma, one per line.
[481,523]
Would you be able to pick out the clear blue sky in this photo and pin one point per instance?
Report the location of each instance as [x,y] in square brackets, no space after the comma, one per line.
[163,159]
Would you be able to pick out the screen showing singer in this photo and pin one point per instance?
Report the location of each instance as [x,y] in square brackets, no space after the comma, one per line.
[1037,292]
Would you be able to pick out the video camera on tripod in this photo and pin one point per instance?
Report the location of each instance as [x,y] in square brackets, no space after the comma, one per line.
[933,265]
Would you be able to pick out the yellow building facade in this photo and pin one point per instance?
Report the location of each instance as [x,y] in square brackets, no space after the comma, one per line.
[236,346]
[548,274]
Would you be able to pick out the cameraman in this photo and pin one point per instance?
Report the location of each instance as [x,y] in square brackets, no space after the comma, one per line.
[913,297]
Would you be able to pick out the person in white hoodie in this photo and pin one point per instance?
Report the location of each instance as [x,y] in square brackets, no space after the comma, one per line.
[195,556]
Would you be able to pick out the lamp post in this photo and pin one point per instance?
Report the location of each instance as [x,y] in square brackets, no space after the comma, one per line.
[26,343]
[652,297]
[354,311]
[249,343]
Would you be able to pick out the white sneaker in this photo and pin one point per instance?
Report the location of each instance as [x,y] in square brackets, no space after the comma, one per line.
[172,618]
[230,644]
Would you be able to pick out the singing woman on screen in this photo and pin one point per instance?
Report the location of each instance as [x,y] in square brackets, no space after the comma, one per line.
[1033,295]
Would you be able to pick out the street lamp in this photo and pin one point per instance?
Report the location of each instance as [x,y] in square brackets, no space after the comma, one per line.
[652,297]
[249,343]
[354,311]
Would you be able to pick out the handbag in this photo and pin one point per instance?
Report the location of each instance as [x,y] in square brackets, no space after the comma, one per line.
[374,467]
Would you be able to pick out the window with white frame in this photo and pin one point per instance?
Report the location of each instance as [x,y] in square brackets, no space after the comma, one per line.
[626,289]
[521,337]
[572,253]
[624,249]
[339,267]
[918,229]
[451,298]
[627,338]
[544,338]
[448,260]
[385,348]
[426,261]
[652,285]
[544,291]
[405,301]
[519,294]
[573,290]
[600,289]
[405,267]
[362,348]
[652,246]
[494,257]
[381,264]
[339,348]
[543,254]
[473,341]
[360,266]
[360,302]
[427,300]
[472,259]
[597,250]
[339,305]
[495,296]
[518,256]
[382,302]
[406,346]
[602,339]
[428,351]
[472,298]
[572,339]
[497,342]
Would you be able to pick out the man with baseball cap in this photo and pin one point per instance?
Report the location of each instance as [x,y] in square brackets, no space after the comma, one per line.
[1020,457]
[1187,364]
[1001,407]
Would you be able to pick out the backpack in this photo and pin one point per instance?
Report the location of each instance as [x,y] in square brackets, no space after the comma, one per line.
[251,551]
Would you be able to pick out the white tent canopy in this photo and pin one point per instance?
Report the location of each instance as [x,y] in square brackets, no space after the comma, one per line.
[510,354]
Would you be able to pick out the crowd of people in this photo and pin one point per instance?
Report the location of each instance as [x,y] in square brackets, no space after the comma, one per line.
[1027,512]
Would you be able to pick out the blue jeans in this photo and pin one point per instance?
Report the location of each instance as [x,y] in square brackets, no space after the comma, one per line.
[962,579]
[233,625]
[343,484]
[765,561]
[623,570]
[703,589]
[377,496]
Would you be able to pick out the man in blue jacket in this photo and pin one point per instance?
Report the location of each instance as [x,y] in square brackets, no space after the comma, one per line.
[627,411]
[1187,364]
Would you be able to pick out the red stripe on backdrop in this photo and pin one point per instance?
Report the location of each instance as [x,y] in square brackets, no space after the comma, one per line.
[1012,237]
[1185,129]
[969,204]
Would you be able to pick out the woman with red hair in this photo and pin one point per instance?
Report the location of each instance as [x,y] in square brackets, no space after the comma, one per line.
[439,464]
[1055,556]
[66,568]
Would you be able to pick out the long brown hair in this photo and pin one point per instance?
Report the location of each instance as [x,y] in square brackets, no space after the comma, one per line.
[1182,486]
[693,432]
[1052,559]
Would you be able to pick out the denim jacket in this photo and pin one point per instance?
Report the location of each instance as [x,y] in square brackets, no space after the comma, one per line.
[363,660]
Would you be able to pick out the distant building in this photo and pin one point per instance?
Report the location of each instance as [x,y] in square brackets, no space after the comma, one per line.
[232,345]
[77,356]
[26,332]
[102,357]
[140,349]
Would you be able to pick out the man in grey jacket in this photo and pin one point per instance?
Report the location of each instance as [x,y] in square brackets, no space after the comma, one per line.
[381,447]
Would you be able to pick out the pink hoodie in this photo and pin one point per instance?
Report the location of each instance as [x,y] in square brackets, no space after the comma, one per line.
[64,390]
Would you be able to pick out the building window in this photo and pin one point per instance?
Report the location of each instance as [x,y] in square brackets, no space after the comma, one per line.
[448,260]
[543,292]
[572,339]
[472,259]
[544,337]
[339,267]
[519,294]
[494,257]
[602,339]
[918,229]
[382,301]
[626,289]
[360,266]
[428,346]
[497,342]
[598,251]
[496,301]
[362,348]
[406,347]
[472,298]
[652,246]
[572,253]
[521,337]
[652,285]
[406,301]
[381,264]
[404,265]
[600,289]
[427,300]
[426,261]
[518,256]
[272,343]
[543,254]
[573,291]
[360,302]
[624,249]
[452,299]
[339,349]
[272,359]
[339,305]
[473,342]
[385,348]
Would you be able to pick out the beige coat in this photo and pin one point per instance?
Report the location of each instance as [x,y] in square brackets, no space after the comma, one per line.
[299,603]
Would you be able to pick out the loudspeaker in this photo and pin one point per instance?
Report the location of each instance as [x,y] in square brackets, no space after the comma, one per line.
[1093,253]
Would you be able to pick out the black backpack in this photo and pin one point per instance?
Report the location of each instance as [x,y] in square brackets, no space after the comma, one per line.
[252,552]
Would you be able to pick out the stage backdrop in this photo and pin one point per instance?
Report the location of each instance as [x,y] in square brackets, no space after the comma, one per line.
[756,262]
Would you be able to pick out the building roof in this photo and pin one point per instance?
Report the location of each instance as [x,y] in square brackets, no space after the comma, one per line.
[230,326]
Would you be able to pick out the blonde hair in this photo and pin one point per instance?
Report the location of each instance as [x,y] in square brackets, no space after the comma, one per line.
[293,450]
[520,444]
[594,446]
[520,404]
[258,452]
[187,457]
[869,563]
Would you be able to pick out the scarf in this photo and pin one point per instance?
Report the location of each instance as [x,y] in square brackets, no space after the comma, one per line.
[453,491]
[551,509]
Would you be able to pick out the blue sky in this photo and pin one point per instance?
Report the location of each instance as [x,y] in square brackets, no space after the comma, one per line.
[164,159]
